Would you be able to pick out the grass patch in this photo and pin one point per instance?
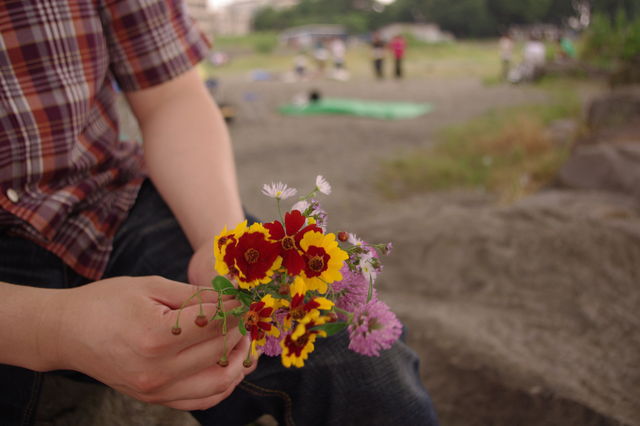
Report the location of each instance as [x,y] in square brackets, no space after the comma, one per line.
[255,42]
[506,151]
[456,59]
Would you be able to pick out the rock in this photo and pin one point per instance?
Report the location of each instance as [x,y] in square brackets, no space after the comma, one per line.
[614,117]
[607,156]
[613,167]
[525,314]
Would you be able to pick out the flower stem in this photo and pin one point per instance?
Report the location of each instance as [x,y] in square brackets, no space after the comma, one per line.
[248,362]
[198,294]
[279,210]
[224,360]
[348,314]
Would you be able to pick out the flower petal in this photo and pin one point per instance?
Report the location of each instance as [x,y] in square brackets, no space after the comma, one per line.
[293,220]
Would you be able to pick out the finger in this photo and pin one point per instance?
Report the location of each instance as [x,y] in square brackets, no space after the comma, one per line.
[201,404]
[174,294]
[190,332]
[210,382]
[205,354]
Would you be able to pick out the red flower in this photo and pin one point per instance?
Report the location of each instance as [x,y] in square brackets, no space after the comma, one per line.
[257,320]
[288,239]
[299,309]
[317,261]
[253,257]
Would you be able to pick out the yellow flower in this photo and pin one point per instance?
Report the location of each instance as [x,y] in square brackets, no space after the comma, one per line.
[258,321]
[298,310]
[323,260]
[220,244]
[297,346]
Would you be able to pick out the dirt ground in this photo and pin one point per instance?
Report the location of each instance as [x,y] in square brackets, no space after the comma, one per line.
[346,150]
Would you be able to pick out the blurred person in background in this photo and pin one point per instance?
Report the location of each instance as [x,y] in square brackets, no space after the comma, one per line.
[378,53]
[506,53]
[398,46]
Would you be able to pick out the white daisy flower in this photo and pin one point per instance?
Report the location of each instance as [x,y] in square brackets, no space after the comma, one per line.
[322,185]
[367,268]
[279,191]
[301,206]
[355,241]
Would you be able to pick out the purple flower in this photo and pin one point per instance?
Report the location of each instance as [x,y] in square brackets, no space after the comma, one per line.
[374,327]
[319,214]
[386,250]
[352,291]
[272,345]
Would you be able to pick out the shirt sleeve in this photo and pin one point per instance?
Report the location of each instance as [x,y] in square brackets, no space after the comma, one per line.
[150,41]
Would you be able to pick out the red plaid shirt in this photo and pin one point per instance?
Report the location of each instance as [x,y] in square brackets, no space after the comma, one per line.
[66,180]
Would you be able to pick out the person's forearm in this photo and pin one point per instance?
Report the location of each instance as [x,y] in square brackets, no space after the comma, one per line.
[190,160]
[29,327]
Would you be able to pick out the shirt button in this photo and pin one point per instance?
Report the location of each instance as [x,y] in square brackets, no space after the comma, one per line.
[13,195]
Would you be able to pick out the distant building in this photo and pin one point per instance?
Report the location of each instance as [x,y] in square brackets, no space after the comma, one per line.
[204,17]
[236,18]
[428,33]
[305,36]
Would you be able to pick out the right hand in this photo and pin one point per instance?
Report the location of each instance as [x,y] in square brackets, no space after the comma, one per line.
[118,331]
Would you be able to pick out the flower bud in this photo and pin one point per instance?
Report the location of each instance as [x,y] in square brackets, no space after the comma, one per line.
[343,236]
[223,362]
[201,321]
[283,289]
[176,330]
[247,363]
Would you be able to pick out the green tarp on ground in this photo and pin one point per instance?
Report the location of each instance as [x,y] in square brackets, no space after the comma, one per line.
[360,108]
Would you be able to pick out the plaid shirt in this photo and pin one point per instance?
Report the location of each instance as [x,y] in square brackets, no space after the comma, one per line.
[66,180]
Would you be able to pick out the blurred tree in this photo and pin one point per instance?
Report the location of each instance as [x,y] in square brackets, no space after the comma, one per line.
[614,45]
[559,11]
[356,15]
[611,8]
[509,12]
[465,18]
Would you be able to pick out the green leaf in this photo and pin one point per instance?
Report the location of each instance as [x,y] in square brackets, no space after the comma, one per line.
[243,330]
[218,315]
[331,328]
[231,291]
[240,310]
[221,284]
[244,298]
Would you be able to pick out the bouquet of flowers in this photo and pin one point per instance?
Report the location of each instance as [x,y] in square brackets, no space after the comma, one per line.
[296,282]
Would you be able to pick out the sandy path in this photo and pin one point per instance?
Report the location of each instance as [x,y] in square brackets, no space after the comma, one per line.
[346,150]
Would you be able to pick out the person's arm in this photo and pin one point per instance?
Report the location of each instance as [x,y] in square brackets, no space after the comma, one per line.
[190,160]
[189,156]
[27,333]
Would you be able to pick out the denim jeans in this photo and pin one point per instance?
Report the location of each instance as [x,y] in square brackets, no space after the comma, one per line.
[335,387]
